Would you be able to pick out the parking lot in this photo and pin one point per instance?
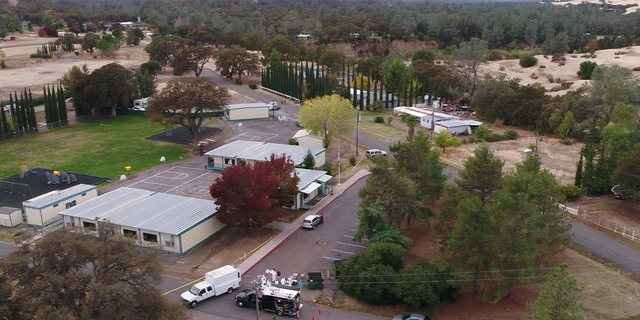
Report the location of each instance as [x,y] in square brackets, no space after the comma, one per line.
[262,130]
[343,247]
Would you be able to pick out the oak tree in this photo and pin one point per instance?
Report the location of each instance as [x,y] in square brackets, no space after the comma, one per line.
[192,59]
[237,60]
[108,88]
[164,50]
[184,101]
[467,60]
[73,275]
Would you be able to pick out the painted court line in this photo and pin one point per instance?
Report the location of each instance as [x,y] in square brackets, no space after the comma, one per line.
[159,184]
[145,179]
[179,176]
[353,245]
[178,186]
[347,252]
[191,168]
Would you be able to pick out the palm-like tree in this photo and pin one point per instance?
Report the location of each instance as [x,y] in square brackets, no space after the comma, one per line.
[411,122]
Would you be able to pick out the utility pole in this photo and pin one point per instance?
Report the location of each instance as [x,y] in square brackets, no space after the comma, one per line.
[357,132]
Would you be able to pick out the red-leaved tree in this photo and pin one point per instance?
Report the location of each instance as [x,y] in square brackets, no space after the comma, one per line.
[243,195]
[51,32]
[283,171]
[75,29]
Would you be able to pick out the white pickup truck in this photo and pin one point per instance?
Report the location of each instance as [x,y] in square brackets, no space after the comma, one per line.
[217,282]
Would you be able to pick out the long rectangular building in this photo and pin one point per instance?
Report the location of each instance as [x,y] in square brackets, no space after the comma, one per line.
[250,152]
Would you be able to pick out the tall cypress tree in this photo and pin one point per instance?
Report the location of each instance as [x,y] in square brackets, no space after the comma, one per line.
[361,90]
[62,104]
[411,91]
[300,75]
[5,123]
[53,105]
[47,114]
[24,112]
[33,112]
[386,92]
[14,113]
[348,80]
[369,89]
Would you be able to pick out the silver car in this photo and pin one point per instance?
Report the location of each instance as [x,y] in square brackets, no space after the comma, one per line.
[310,222]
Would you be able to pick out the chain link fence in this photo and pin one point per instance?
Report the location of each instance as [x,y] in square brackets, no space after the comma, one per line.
[603,222]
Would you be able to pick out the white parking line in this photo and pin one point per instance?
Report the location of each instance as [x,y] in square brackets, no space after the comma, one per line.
[353,245]
[330,258]
[354,230]
[347,252]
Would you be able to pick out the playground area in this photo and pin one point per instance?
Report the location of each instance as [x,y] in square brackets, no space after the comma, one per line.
[181,135]
[22,186]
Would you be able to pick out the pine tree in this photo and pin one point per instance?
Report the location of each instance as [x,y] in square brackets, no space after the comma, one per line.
[558,299]
[578,180]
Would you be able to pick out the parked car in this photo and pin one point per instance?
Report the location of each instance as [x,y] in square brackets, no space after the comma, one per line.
[413,316]
[310,222]
[299,125]
[273,106]
[376,152]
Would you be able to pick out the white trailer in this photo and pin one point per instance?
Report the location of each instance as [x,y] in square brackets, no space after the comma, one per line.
[217,282]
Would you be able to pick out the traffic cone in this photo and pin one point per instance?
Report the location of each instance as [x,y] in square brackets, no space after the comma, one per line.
[313,318]
[319,312]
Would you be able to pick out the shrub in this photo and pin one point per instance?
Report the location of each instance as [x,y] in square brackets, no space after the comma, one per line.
[378,120]
[352,160]
[471,140]
[586,69]
[464,141]
[566,142]
[557,57]
[528,61]
[482,132]
[494,137]
[502,68]
[253,86]
[570,192]
[40,55]
[293,141]
[2,65]
[377,105]
[493,55]
[50,32]
[17,234]
[511,135]
[238,82]
[636,69]
[542,66]
[389,119]
[77,53]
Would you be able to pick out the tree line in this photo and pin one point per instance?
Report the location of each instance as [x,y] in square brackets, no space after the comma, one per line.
[19,115]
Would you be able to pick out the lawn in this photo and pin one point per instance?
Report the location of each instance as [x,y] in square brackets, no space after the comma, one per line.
[381,130]
[89,149]
[382,113]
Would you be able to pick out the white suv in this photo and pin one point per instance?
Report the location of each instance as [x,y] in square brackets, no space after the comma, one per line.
[310,222]
[376,152]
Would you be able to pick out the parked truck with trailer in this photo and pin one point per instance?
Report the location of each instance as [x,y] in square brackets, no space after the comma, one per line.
[217,282]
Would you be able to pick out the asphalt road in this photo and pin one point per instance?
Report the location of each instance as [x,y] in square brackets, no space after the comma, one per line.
[611,250]
[19,45]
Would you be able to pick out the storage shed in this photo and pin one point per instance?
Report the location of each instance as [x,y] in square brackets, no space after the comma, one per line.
[453,126]
[246,111]
[44,210]
[306,139]
[10,217]
[167,222]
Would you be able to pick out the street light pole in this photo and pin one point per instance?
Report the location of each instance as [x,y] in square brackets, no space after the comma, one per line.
[357,132]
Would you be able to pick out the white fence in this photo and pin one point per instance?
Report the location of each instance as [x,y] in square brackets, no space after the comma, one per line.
[605,223]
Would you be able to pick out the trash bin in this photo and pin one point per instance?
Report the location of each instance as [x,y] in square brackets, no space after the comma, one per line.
[315,280]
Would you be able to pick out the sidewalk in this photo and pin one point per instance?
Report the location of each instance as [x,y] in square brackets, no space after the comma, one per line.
[289,230]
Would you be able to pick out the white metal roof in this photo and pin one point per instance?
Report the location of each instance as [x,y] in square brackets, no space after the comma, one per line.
[307,176]
[420,112]
[265,151]
[106,203]
[165,213]
[221,271]
[304,133]
[8,210]
[453,123]
[310,188]
[246,106]
[234,148]
[56,196]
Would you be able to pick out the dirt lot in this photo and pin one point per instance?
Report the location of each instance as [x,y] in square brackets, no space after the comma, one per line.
[560,159]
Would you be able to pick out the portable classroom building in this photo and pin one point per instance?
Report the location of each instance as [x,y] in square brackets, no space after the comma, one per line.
[170,223]
[453,126]
[250,152]
[10,217]
[246,111]
[45,209]
[306,139]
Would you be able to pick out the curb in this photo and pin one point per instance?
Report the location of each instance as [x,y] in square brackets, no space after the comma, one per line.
[300,227]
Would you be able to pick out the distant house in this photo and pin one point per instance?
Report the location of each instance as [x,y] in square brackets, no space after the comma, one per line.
[303,36]
[126,24]
[425,116]
[25,24]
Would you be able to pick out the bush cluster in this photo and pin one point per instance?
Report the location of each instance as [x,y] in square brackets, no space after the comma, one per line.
[484,134]
[528,61]
[378,120]
[40,55]
[570,192]
[238,82]
[253,86]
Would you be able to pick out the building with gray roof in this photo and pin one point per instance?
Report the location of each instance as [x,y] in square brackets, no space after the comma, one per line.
[250,152]
[171,223]
[44,209]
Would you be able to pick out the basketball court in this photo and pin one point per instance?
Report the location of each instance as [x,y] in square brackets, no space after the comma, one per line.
[180,180]
[254,136]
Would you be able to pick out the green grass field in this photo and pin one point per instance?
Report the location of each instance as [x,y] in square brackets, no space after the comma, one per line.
[89,149]
[382,113]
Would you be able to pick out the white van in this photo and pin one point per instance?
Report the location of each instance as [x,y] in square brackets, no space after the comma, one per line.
[376,152]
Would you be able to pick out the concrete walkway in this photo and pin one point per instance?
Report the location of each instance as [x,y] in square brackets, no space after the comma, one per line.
[289,230]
